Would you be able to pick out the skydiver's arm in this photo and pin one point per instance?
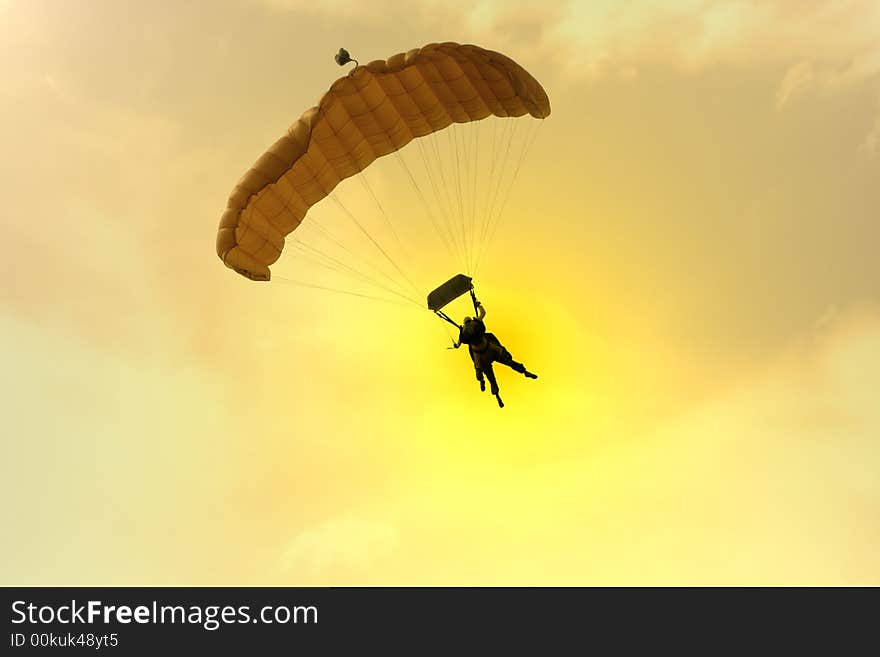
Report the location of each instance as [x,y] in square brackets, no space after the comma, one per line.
[481,312]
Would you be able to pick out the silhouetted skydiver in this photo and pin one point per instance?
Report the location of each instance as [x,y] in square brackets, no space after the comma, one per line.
[485,349]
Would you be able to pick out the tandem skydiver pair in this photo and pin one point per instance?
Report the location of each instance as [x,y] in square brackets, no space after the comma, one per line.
[484,348]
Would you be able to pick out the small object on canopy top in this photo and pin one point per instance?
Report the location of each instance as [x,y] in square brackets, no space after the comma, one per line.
[343,58]
[449,291]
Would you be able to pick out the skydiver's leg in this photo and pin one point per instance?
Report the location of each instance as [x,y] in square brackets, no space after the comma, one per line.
[477,368]
[490,374]
[503,356]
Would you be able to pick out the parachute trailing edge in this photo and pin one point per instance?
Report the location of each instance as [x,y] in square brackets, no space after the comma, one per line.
[373,111]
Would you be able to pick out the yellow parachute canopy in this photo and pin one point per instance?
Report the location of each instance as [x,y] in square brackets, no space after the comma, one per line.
[373,111]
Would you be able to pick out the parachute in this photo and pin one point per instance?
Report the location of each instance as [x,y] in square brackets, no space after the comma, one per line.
[448,292]
[375,110]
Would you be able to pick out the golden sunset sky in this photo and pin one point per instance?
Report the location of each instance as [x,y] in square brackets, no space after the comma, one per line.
[688,260]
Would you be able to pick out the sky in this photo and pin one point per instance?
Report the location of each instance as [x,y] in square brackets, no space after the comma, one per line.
[687,260]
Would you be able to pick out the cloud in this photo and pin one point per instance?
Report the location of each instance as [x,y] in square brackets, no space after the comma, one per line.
[347,542]
[797,79]
[691,33]
[106,449]
[774,482]
[697,34]
[871,143]
[825,44]
[335,9]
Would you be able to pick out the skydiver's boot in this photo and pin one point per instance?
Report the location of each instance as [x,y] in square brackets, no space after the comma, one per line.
[519,367]
[500,403]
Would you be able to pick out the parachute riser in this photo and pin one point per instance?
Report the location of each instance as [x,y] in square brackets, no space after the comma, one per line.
[443,315]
